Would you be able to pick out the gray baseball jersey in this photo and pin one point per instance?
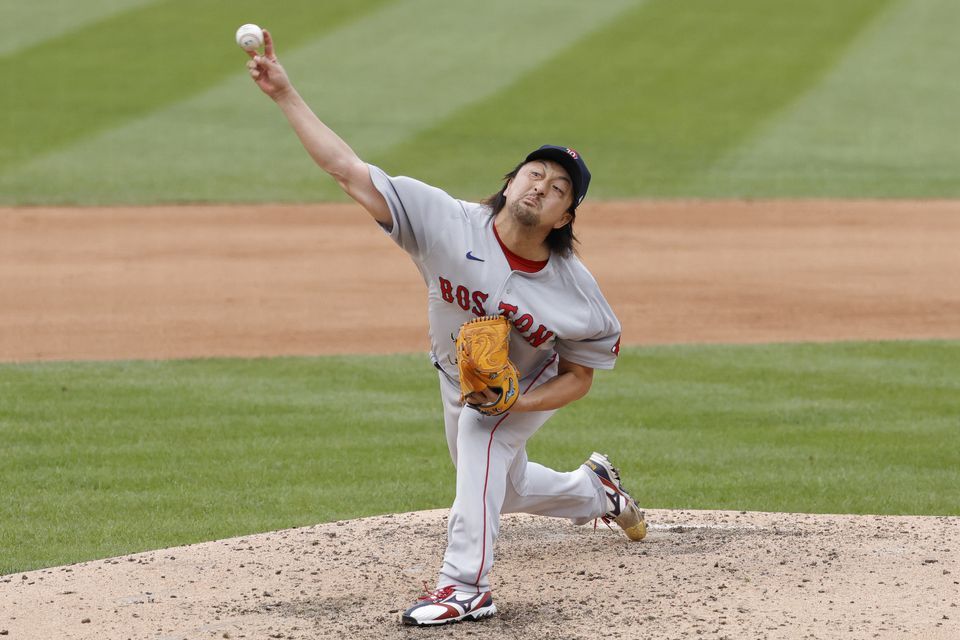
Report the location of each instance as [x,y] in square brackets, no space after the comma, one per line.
[556,311]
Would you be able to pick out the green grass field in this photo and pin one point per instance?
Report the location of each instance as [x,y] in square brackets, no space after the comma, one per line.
[145,102]
[103,459]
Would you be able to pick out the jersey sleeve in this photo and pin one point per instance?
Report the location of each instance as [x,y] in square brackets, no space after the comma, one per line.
[413,204]
[597,352]
[597,344]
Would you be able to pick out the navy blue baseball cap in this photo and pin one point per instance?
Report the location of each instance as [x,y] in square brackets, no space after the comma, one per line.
[572,162]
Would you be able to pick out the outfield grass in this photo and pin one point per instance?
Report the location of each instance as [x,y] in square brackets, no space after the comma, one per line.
[100,459]
[148,101]
[109,72]
[654,99]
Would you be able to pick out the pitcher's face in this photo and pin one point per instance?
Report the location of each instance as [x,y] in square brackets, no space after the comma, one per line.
[540,195]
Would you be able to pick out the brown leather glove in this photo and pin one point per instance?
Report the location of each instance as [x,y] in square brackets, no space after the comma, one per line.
[483,357]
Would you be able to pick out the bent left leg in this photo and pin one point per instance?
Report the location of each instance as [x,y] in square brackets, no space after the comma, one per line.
[534,488]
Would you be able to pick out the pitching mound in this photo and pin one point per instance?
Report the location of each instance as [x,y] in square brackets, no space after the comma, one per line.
[716,574]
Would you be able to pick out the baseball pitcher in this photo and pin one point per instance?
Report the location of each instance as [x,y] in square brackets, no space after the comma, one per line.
[517,327]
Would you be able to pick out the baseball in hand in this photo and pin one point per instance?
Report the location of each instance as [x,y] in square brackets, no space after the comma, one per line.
[250,37]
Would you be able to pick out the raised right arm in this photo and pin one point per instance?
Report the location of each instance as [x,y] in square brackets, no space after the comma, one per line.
[327,149]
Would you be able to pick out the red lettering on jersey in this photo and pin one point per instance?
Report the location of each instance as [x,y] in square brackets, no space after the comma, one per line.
[479,297]
[616,348]
[463,297]
[539,336]
[467,300]
[523,323]
[446,289]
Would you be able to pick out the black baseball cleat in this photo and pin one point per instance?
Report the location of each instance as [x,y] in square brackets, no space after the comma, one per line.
[449,605]
[622,508]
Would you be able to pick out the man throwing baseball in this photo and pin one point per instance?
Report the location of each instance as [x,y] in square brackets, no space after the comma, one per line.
[508,301]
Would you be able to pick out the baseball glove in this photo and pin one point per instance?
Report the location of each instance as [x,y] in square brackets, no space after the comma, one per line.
[483,357]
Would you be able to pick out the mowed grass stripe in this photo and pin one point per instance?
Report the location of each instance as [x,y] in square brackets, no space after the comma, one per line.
[28,23]
[100,459]
[130,64]
[377,81]
[652,100]
[879,123]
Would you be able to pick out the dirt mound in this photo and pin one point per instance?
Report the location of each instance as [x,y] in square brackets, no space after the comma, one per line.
[713,574]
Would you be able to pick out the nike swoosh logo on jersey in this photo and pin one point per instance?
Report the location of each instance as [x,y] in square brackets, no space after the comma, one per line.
[470,256]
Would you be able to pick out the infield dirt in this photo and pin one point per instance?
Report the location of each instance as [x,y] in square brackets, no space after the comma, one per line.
[174,282]
[170,282]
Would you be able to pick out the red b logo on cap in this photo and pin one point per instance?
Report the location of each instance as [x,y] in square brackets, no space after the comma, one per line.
[572,153]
